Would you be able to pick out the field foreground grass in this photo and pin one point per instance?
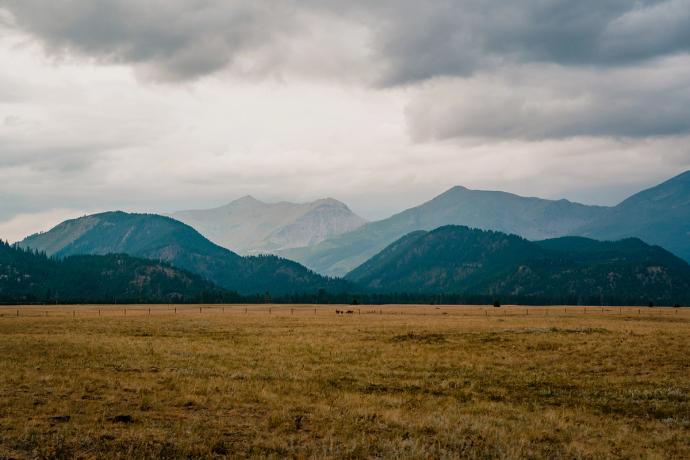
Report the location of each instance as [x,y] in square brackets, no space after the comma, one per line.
[301,381]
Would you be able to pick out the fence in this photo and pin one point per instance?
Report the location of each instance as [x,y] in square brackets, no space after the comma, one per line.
[84,311]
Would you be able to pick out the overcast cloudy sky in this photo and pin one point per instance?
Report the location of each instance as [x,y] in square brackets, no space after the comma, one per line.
[159,105]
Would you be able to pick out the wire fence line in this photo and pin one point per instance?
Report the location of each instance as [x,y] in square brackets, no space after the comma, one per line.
[83,311]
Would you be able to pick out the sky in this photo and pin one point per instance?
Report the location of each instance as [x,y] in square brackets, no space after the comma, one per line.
[163,105]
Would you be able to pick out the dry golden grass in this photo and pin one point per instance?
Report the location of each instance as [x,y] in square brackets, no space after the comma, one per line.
[395,382]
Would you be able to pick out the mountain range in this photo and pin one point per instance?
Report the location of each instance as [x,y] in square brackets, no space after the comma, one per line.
[573,270]
[164,239]
[660,215]
[26,276]
[524,247]
[250,226]
[448,261]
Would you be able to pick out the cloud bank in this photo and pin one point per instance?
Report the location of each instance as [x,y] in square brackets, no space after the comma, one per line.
[166,104]
[558,68]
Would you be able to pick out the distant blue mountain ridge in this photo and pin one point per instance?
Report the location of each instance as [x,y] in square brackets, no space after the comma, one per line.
[659,216]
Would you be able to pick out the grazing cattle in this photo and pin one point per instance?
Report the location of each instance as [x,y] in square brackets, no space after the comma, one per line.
[350,312]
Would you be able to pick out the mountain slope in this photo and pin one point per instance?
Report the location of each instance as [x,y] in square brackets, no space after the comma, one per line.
[659,215]
[250,226]
[532,218]
[459,260]
[26,276]
[162,238]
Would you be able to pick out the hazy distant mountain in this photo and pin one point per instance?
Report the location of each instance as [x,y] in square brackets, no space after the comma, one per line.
[455,259]
[250,226]
[532,218]
[162,238]
[29,277]
[659,215]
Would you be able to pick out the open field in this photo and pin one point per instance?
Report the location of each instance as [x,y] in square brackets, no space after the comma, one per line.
[300,381]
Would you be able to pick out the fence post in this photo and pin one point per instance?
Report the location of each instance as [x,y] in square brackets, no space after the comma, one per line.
[292,311]
[269,310]
[17,312]
[99,312]
[527,312]
[315,311]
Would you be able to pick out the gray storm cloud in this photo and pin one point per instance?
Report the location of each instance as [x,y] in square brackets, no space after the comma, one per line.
[168,39]
[409,42]
[538,102]
[445,38]
[416,40]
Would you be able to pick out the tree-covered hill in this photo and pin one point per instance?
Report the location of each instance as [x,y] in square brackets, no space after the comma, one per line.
[460,260]
[28,276]
[165,239]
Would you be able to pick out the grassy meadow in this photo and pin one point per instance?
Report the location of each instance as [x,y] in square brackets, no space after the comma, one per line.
[305,382]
